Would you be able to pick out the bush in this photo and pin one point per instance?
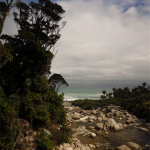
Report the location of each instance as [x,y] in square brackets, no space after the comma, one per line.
[45,140]
[9,124]
[42,118]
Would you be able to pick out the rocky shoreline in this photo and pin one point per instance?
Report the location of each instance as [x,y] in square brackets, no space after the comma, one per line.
[91,125]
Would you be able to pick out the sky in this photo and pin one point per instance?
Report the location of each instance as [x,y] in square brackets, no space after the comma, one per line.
[105,43]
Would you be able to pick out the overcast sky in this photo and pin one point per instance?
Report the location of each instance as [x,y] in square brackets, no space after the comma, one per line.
[105,43]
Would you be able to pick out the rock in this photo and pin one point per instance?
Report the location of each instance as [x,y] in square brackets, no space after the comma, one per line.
[123,147]
[133,146]
[68,117]
[99,125]
[47,132]
[93,135]
[84,118]
[25,126]
[84,147]
[30,140]
[92,146]
[117,114]
[128,115]
[143,129]
[76,116]
[110,122]
[113,110]
[116,127]
[102,115]
[125,125]
[91,117]
[130,121]
[68,148]
[148,124]
[99,119]
[91,127]
[123,116]
[93,112]
[66,145]
[121,127]
[106,132]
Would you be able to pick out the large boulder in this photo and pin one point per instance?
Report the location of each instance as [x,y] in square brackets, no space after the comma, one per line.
[133,146]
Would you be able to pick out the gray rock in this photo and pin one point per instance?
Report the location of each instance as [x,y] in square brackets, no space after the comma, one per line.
[125,125]
[93,135]
[99,119]
[143,129]
[123,147]
[133,146]
[92,146]
[93,112]
[99,125]
[113,110]
[130,121]
[121,127]
[47,132]
[30,140]
[116,127]
[91,127]
[91,117]
[102,115]
[68,148]
[76,116]
[110,122]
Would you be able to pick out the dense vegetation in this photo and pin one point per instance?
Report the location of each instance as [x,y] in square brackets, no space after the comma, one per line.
[136,100]
[26,91]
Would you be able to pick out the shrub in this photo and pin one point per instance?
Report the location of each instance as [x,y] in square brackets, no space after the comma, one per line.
[41,117]
[45,140]
[9,124]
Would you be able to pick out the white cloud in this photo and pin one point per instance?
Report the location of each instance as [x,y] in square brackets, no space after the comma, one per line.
[102,41]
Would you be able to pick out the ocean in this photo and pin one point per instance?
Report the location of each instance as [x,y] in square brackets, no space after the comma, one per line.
[75,94]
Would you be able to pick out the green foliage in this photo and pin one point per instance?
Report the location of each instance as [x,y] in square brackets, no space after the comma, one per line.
[42,118]
[25,91]
[56,109]
[9,125]
[46,142]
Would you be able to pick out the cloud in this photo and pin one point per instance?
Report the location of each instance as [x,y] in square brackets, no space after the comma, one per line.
[102,42]
[106,41]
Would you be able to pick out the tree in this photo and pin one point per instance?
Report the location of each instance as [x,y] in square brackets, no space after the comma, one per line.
[104,92]
[5,7]
[32,47]
[4,11]
[57,82]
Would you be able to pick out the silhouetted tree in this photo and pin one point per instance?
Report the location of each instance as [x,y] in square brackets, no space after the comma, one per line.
[32,47]
[57,82]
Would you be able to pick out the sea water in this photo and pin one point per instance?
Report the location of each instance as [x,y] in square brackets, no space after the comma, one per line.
[75,94]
